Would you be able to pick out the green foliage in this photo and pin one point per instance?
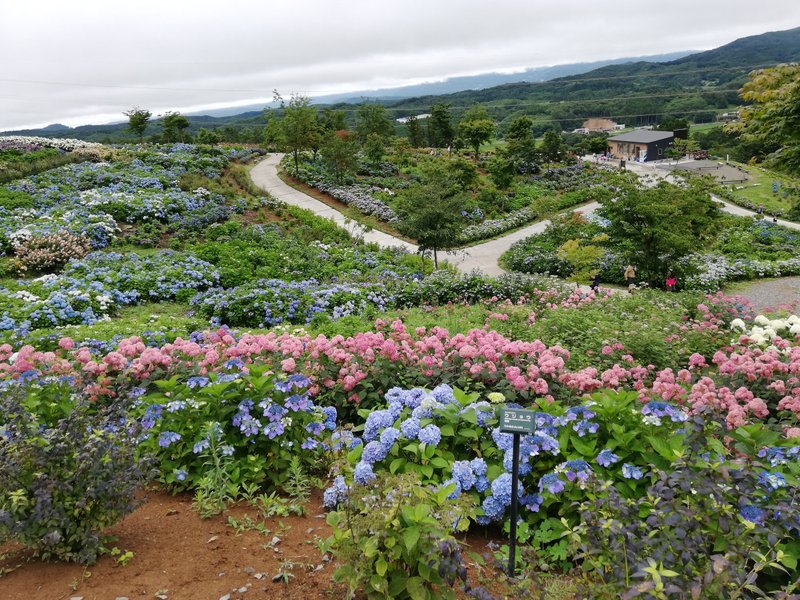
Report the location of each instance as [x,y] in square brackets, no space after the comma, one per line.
[655,227]
[299,127]
[430,210]
[476,127]
[174,126]
[773,116]
[11,200]
[138,118]
[440,126]
[67,472]
[340,156]
[204,437]
[373,120]
[387,539]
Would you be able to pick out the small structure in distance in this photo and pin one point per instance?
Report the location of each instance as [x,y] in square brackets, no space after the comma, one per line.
[417,117]
[641,145]
[599,125]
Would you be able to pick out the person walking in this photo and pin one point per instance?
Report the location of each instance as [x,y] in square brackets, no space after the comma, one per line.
[671,281]
[630,277]
[595,282]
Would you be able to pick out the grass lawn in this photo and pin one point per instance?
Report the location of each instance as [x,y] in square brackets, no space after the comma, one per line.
[758,190]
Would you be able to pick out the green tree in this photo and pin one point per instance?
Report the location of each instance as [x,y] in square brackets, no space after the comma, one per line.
[553,148]
[681,147]
[502,169]
[670,123]
[373,120]
[476,127]
[204,136]
[440,126]
[174,126]
[656,227]
[773,116]
[521,144]
[430,211]
[138,119]
[339,155]
[415,137]
[332,120]
[299,127]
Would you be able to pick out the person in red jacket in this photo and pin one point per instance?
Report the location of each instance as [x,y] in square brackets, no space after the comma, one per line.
[671,281]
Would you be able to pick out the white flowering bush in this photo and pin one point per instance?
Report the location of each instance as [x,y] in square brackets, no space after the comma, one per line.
[764,330]
[65,144]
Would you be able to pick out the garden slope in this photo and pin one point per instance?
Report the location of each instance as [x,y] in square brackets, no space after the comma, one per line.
[482,257]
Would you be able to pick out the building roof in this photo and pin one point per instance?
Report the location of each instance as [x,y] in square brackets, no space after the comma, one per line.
[642,136]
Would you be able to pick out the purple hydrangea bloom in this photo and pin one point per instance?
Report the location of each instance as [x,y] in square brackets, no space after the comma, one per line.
[552,483]
[167,438]
[373,452]
[335,494]
[410,428]
[753,514]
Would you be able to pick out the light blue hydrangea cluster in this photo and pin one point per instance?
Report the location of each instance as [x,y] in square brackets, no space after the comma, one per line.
[654,411]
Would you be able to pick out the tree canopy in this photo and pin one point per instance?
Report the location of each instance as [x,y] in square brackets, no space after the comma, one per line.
[138,118]
[430,211]
[658,226]
[476,127]
[773,116]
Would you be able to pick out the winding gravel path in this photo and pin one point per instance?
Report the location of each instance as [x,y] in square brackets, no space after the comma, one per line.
[482,257]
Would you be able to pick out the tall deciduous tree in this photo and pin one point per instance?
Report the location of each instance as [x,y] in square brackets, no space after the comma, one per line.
[415,137]
[773,116]
[174,127]
[138,118]
[430,211]
[476,127]
[299,127]
[339,155]
[522,144]
[658,226]
[373,120]
[440,126]
[553,148]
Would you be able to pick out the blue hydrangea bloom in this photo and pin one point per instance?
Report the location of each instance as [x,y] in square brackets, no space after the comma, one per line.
[606,458]
[410,428]
[363,473]
[753,514]
[630,471]
[430,434]
[552,483]
[336,494]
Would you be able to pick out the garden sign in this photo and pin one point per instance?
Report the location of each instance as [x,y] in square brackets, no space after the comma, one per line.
[515,421]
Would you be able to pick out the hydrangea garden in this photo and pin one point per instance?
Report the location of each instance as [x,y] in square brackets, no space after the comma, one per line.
[303,370]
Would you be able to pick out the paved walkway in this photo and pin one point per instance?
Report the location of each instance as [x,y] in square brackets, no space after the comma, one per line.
[265,176]
[482,257]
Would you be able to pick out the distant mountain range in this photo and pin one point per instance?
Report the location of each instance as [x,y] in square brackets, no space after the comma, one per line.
[458,84]
[678,84]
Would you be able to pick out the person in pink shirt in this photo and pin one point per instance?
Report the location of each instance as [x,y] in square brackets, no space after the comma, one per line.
[671,281]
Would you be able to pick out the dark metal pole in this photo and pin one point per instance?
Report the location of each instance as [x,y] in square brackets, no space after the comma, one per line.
[512,546]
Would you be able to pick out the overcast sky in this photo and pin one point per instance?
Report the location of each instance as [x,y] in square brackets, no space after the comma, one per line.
[85,61]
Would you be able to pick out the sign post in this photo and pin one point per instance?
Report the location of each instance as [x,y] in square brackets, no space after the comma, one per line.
[516,422]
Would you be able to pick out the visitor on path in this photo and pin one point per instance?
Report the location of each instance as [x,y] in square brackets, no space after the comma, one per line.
[595,282]
[630,275]
[671,281]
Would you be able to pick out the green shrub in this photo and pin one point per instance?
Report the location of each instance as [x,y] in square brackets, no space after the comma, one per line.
[66,474]
[393,537]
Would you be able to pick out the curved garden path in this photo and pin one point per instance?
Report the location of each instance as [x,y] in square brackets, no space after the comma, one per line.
[483,256]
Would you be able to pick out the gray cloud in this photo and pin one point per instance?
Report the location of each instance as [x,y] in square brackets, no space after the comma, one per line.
[88,60]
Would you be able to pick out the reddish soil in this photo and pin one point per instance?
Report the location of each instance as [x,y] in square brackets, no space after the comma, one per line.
[179,556]
[185,558]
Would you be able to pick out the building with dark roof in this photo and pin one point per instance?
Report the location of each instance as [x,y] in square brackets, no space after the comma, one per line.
[641,145]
